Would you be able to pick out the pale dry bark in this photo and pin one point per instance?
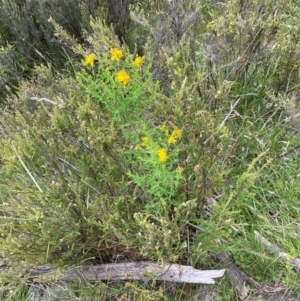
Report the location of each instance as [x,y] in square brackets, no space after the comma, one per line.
[132,271]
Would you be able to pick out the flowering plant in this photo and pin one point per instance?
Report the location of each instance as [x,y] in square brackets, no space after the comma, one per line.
[119,83]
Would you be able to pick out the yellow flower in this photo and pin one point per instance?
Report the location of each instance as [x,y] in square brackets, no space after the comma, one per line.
[162,155]
[89,60]
[145,141]
[123,77]
[171,139]
[138,62]
[288,257]
[116,54]
[174,136]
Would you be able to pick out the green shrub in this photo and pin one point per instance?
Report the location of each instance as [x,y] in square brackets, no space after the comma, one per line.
[27,37]
[105,164]
[27,33]
[111,161]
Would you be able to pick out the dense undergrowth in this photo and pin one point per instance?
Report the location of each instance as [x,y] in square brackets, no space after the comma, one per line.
[174,144]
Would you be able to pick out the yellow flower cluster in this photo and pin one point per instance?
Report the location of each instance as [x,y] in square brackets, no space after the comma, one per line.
[174,136]
[162,155]
[116,54]
[138,62]
[123,77]
[89,60]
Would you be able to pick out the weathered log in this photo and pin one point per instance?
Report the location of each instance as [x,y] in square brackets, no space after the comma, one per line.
[131,271]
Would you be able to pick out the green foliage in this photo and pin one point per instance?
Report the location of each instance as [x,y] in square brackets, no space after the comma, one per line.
[28,33]
[122,90]
[79,177]
[28,38]
[174,153]
[60,162]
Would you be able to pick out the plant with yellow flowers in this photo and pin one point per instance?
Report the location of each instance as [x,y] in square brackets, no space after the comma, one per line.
[167,178]
[118,82]
[157,170]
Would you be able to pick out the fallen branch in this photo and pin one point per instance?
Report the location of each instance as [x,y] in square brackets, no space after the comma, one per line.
[237,277]
[294,262]
[131,271]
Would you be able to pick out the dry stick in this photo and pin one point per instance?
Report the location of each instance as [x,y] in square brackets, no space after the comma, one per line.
[289,151]
[132,271]
[43,99]
[232,107]
[294,262]
[237,277]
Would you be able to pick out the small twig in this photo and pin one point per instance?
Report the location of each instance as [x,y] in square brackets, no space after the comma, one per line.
[44,99]
[293,261]
[289,151]
[232,107]
[27,170]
